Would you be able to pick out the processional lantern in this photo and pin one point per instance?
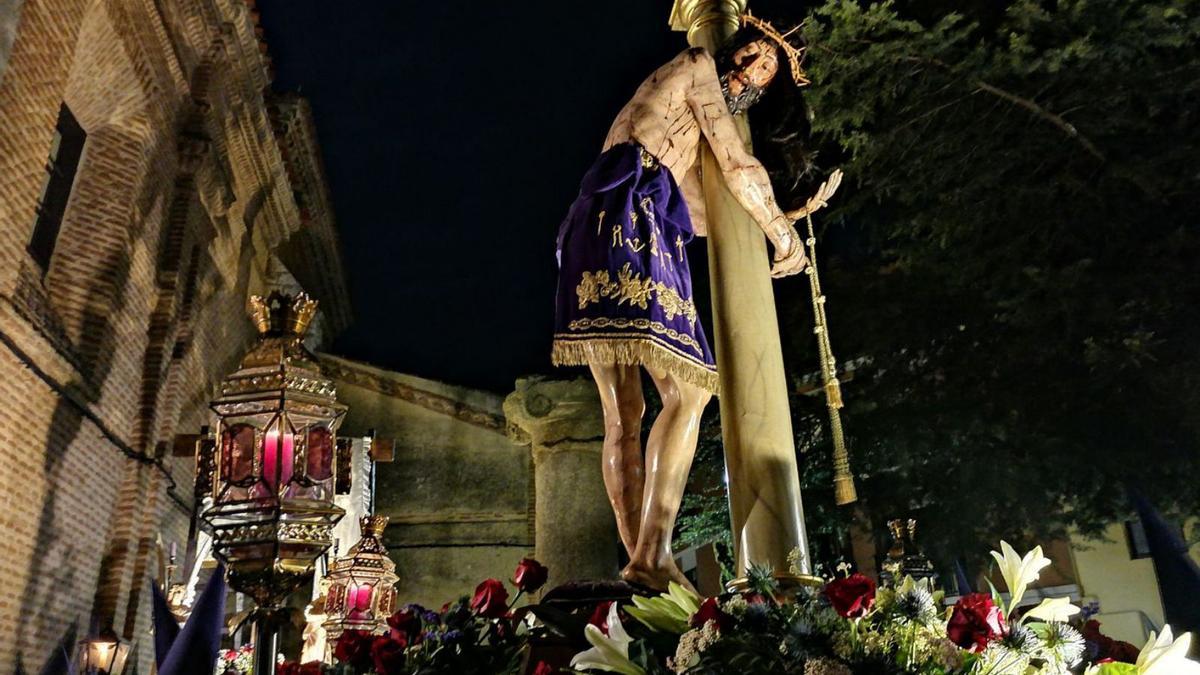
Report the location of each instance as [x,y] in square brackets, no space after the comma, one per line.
[361,585]
[103,654]
[275,465]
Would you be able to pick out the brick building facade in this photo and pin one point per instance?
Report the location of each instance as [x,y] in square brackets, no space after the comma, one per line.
[149,182]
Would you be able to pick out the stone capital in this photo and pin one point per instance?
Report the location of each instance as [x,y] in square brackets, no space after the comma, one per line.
[544,412]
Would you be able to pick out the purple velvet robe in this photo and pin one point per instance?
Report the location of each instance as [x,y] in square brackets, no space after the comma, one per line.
[624,287]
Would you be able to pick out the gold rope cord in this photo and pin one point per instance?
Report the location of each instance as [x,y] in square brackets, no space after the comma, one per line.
[843,481]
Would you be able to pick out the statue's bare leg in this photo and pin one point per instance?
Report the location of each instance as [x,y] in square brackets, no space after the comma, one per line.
[669,452]
[623,404]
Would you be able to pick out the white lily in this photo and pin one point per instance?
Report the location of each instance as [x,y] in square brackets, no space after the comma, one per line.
[1166,655]
[1162,655]
[1019,571]
[1053,609]
[609,652]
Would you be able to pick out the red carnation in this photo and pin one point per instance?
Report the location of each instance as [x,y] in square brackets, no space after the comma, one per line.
[710,611]
[530,575]
[543,668]
[852,597]
[491,599]
[599,617]
[405,626]
[975,621]
[285,668]
[310,668]
[354,649]
[387,655]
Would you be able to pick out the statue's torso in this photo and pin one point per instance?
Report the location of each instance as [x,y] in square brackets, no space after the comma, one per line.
[660,118]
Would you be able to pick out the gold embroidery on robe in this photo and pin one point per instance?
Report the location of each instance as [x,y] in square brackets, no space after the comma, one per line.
[593,286]
[633,289]
[636,290]
[641,324]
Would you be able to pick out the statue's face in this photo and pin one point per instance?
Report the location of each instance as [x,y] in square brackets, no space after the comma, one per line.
[754,66]
[747,73]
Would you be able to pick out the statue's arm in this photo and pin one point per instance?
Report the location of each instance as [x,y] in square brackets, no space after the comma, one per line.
[693,196]
[744,174]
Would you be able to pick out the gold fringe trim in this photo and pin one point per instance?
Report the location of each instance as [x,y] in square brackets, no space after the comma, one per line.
[633,352]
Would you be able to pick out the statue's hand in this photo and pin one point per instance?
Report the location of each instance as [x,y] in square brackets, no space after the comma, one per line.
[789,255]
[820,199]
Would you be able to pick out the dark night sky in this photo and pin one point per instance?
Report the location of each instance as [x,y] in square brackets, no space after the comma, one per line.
[454,135]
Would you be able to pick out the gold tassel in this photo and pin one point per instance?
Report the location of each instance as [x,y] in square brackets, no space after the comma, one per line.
[632,351]
[833,393]
[844,491]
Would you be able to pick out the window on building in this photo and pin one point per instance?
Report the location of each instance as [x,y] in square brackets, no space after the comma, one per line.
[65,153]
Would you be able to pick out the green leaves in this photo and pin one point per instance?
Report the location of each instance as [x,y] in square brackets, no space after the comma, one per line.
[1014,250]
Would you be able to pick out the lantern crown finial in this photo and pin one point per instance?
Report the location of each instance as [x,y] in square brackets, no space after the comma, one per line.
[373,526]
[282,314]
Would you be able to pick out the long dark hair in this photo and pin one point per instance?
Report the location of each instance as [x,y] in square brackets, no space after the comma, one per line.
[780,126]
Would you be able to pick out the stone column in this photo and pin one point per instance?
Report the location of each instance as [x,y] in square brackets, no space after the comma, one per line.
[756,423]
[561,421]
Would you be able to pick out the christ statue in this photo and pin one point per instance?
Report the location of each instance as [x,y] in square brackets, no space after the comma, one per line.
[624,299]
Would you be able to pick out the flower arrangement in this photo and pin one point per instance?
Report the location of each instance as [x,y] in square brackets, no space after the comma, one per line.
[238,661]
[853,627]
[848,627]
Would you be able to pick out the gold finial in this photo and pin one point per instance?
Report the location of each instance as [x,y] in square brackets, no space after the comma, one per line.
[373,526]
[282,314]
[795,55]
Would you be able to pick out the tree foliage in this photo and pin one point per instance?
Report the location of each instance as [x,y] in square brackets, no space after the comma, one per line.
[1015,252]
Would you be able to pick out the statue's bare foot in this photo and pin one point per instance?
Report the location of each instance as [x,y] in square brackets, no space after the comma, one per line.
[656,577]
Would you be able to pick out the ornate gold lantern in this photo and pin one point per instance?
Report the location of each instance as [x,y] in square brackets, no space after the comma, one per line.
[362,593]
[272,512]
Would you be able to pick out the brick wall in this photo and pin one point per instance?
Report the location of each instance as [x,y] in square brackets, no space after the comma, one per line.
[182,203]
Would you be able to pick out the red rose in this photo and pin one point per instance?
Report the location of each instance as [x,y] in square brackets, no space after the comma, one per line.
[710,611]
[852,597]
[286,668]
[310,668]
[405,626]
[354,649]
[491,599]
[599,617]
[387,655]
[530,575]
[1108,649]
[975,621]
[543,668]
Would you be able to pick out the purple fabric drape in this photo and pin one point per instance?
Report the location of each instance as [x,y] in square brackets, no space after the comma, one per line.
[194,649]
[625,288]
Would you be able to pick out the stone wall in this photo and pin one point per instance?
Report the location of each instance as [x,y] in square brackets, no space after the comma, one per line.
[459,493]
[478,480]
[187,196]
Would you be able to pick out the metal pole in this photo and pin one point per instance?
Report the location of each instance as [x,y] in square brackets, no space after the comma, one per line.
[265,636]
[756,424]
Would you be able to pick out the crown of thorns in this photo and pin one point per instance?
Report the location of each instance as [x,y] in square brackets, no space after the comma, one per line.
[794,54]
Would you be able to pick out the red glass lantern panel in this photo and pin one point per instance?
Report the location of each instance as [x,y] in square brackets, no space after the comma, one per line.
[358,601]
[237,453]
[320,453]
